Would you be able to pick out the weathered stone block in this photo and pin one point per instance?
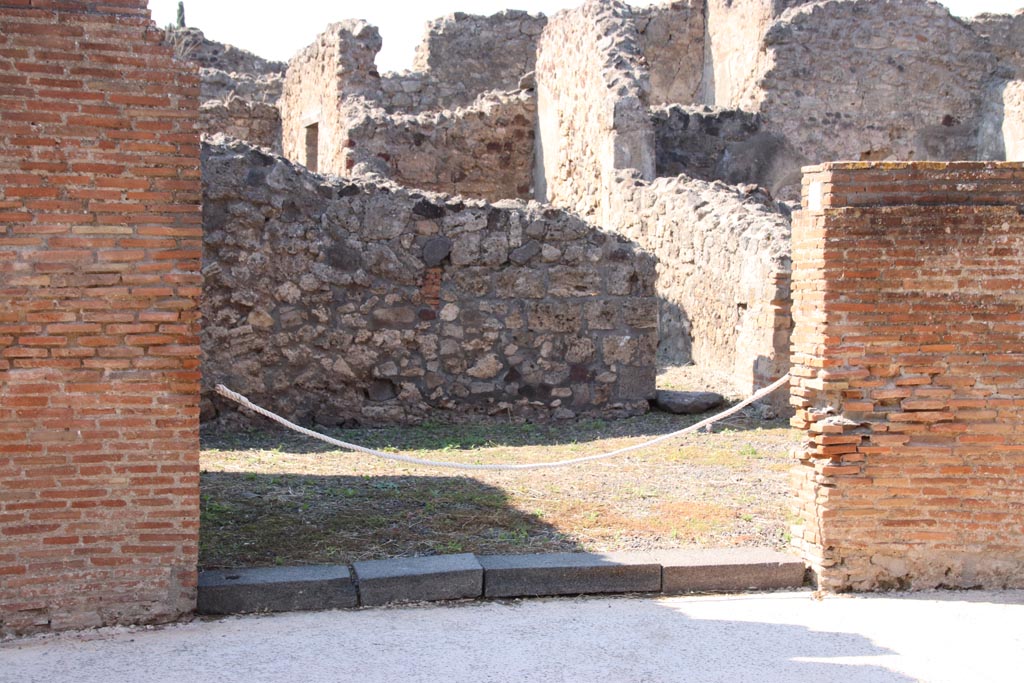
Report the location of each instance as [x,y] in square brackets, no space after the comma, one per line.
[568,574]
[728,569]
[687,402]
[275,589]
[412,579]
[436,250]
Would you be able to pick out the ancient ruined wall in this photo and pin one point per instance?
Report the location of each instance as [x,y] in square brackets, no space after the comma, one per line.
[731,145]
[723,271]
[672,42]
[908,366]
[890,79]
[99,377]
[238,90]
[484,151]
[734,50]
[360,302]
[465,55]
[253,122]
[1005,35]
[591,105]
[723,274]
[339,62]
[209,54]
[222,86]
[702,142]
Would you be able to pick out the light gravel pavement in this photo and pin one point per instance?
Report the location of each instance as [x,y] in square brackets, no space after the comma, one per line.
[957,636]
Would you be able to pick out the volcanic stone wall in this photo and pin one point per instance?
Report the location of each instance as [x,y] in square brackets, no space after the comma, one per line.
[210,54]
[463,55]
[702,142]
[482,151]
[672,42]
[254,122]
[337,118]
[890,79]
[238,90]
[734,47]
[339,62]
[723,269]
[1005,36]
[723,274]
[99,285]
[361,302]
[908,375]
[591,106]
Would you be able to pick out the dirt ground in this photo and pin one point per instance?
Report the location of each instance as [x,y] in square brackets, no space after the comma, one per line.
[275,497]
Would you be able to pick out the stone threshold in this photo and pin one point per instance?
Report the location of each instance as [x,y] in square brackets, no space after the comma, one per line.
[467,576]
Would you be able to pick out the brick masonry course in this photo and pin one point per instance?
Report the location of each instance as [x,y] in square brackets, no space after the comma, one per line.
[907,374]
[100,242]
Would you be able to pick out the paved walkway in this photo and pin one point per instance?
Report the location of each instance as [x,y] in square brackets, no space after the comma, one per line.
[964,636]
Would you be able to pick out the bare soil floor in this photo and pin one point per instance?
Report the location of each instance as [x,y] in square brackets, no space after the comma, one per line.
[275,497]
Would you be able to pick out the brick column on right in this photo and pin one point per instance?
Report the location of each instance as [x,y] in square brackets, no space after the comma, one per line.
[908,374]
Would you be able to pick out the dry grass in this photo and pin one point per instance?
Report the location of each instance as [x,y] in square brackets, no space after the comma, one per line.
[278,498]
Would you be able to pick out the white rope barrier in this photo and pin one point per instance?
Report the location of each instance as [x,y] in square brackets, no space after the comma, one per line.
[242,400]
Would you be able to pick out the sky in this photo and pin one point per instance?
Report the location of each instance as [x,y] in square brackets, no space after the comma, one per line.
[277,29]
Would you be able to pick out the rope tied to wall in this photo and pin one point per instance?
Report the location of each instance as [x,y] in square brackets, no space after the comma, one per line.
[400,457]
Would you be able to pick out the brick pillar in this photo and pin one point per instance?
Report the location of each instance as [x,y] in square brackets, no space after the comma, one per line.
[908,367]
[100,235]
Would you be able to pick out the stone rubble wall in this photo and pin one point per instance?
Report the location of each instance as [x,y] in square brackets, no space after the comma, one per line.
[702,142]
[1005,36]
[723,274]
[463,55]
[340,62]
[723,268]
[730,145]
[734,48]
[209,54]
[484,151]
[908,375]
[890,79]
[358,301]
[672,42]
[254,122]
[222,86]
[238,90]
[592,91]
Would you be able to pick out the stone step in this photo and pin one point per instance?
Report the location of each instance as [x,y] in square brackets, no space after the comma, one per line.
[415,579]
[457,577]
[276,589]
[508,576]
[719,570]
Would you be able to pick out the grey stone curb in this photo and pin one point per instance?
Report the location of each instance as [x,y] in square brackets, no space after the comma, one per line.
[275,589]
[415,579]
[508,576]
[728,569]
[456,577]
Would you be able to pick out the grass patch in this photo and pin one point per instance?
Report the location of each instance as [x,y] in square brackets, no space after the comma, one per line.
[275,497]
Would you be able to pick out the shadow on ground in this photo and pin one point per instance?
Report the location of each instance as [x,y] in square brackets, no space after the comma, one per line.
[250,519]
